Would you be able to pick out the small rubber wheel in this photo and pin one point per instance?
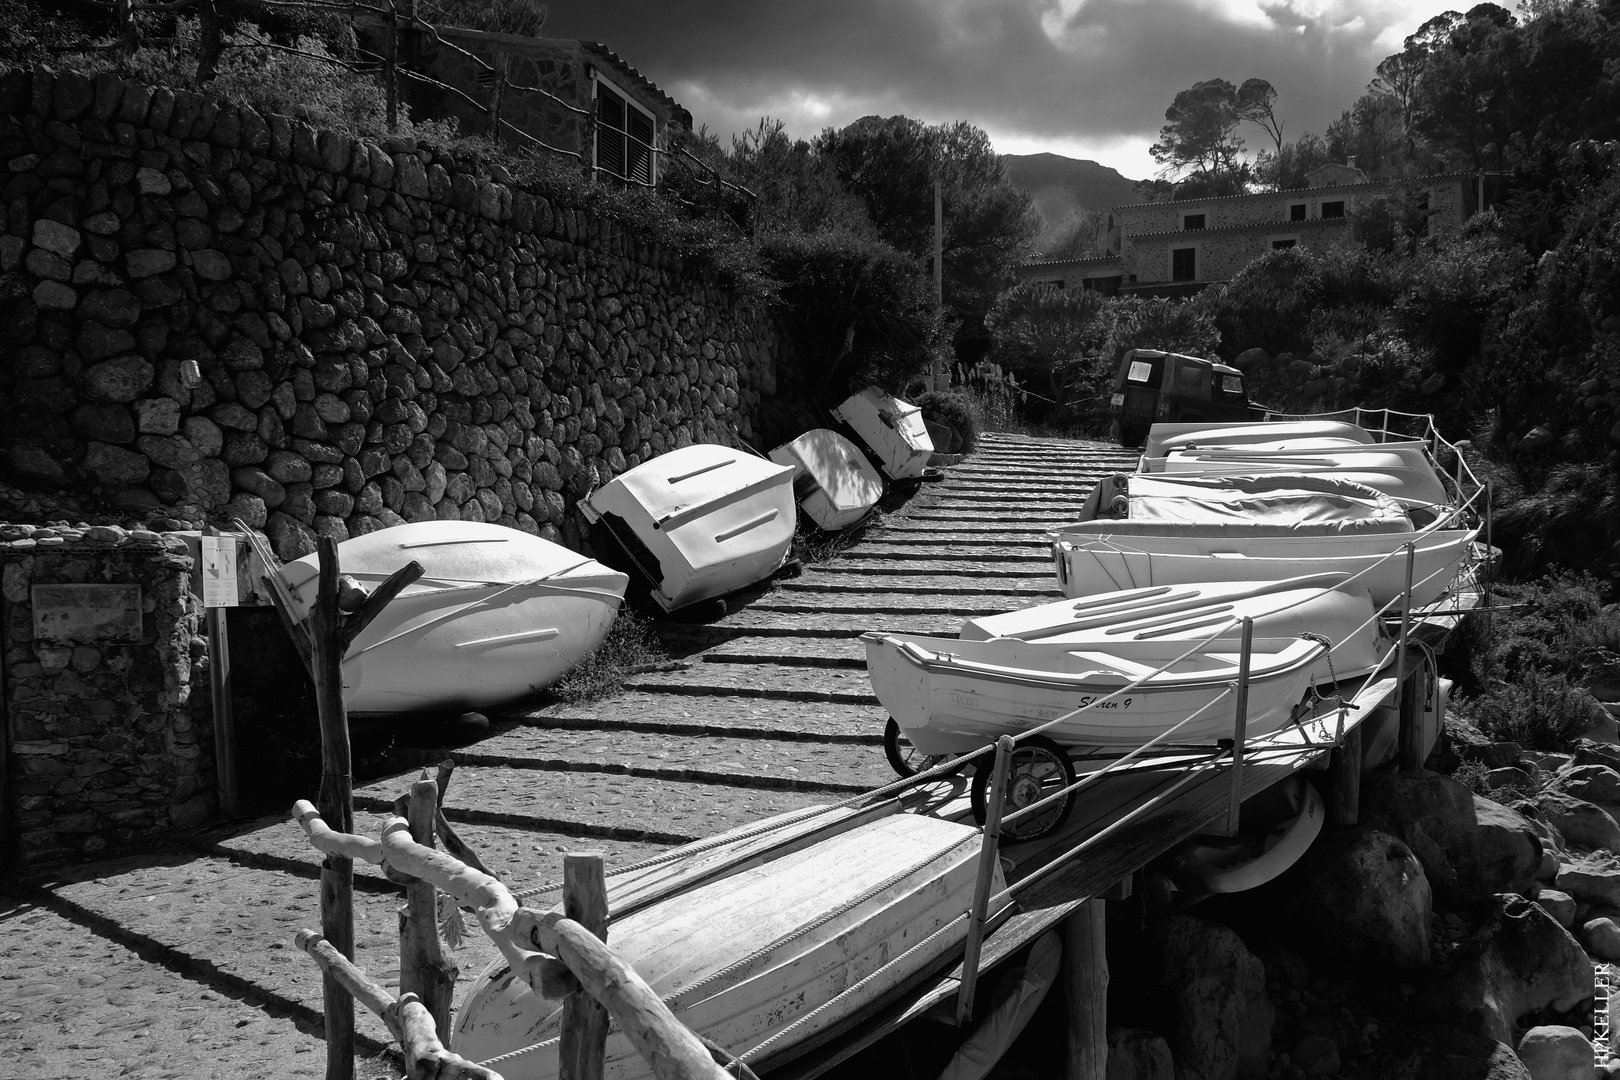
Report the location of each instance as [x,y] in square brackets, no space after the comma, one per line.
[906,759]
[1039,767]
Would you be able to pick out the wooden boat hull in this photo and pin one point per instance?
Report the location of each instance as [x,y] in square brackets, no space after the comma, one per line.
[950,695]
[497,614]
[834,482]
[741,958]
[699,522]
[1326,604]
[1090,564]
[892,428]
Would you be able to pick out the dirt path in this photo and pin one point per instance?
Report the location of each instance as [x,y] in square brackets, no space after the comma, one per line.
[181,963]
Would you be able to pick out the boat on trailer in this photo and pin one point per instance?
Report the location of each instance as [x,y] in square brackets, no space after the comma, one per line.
[699,522]
[834,482]
[831,925]
[497,613]
[1143,530]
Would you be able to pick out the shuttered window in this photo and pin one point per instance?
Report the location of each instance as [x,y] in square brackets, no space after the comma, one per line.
[624,136]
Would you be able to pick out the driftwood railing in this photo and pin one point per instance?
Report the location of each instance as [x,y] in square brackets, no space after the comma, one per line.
[559,954]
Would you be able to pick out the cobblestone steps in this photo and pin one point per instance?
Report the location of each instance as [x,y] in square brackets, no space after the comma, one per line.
[730,715]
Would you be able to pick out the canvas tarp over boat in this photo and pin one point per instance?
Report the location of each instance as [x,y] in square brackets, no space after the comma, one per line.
[1286,504]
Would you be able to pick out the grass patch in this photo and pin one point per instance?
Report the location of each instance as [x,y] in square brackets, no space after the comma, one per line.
[630,646]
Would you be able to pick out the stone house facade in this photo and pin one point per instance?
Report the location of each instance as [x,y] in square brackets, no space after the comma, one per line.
[1177,248]
[576,98]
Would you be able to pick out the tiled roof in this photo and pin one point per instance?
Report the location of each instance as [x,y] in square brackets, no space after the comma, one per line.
[1271,226]
[1076,263]
[1297,193]
[602,52]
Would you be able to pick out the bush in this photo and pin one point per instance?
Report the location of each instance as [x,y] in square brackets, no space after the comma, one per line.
[955,410]
[1269,304]
[1544,712]
[1572,521]
[630,645]
[857,311]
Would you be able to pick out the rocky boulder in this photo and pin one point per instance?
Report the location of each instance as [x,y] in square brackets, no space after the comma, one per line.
[1218,1017]
[1135,1054]
[1581,823]
[1560,905]
[1470,846]
[1357,895]
[1440,1053]
[1555,1052]
[1595,783]
[1519,961]
[1602,937]
[1592,879]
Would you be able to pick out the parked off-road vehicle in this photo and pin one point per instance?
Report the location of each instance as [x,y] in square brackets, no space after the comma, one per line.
[1154,387]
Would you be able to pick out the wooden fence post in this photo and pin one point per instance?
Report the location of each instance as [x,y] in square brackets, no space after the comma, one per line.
[423,969]
[1085,959]
[336,804]
[585,1020]
[1345,767]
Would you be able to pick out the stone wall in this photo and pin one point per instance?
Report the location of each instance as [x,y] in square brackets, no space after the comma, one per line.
[377,335]
[107,746]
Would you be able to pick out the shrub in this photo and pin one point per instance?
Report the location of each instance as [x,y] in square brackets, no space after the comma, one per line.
[1544,712]
[1269,304]
[1572,521]
[955,410]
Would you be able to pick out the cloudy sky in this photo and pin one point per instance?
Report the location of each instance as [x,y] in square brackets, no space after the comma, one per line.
[1083,78]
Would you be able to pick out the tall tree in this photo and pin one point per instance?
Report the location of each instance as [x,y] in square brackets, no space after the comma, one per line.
[890,165]
[1200,133]
[1462,92]
[1399,75]
[1256,103]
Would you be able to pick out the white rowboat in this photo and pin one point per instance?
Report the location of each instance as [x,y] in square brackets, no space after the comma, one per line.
[892,428]
[950,695]
[497,614]
[741,958]
[1324,605]
[1163,530]
[1164,438]
[834,482]
[699,522]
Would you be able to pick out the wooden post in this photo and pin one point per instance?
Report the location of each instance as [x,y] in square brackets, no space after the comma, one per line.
[390,64]
[585,1020]
[211,43]
[1240,730]
[336,804]
[1345,767]
[423,968]
[989,852]
[219,688]
[1408,717]
[1085,960]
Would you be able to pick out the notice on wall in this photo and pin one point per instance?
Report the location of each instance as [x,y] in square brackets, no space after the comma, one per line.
[87,614]
[218,571]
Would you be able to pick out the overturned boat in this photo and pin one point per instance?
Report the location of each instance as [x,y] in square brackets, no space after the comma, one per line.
[1163,439]
[815,935]
[834,482]
[1405,471]
[891,428]
[699,522]
[1143,530]
[497,614]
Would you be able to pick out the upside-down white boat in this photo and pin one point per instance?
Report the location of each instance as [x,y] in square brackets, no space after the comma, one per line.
[892,428]
[699,522]
[949,695]
[1404,471]
[497,613]
[1328,606]
[747,952]
[1160,530]
[833,481]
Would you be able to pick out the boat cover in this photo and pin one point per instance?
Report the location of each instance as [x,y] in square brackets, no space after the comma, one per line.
[1285,504]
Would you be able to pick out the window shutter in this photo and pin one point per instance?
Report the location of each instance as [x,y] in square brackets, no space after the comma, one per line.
[638,153]
[610,109]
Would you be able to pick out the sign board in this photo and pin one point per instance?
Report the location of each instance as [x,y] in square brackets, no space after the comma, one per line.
[87,614]
[218,571]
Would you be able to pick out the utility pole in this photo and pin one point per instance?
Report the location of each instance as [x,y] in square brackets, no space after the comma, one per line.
[941,379]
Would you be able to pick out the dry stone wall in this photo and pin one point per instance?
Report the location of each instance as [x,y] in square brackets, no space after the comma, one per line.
[102,646]
[211,312]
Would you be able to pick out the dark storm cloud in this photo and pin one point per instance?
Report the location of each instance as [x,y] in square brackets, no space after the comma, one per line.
[1069,73]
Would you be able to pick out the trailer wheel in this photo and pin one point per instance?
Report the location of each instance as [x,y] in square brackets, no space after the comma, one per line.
[906,759]
[1039,768]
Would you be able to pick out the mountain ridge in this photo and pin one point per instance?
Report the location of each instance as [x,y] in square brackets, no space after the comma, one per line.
[1062,185]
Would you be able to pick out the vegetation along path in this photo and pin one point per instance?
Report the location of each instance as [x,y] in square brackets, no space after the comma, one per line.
[770,710]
